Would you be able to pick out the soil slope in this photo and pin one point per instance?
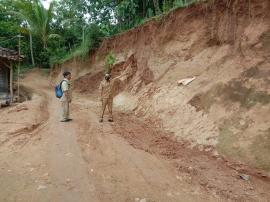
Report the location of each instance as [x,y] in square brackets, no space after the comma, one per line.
[226,46]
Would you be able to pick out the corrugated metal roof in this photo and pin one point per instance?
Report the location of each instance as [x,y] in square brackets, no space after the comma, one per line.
[9,54]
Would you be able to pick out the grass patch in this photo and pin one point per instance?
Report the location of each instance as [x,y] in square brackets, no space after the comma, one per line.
[228,141]
[261,150]
[232,92]
[247,97]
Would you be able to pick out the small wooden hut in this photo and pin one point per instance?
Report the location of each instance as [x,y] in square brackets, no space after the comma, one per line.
[7,59]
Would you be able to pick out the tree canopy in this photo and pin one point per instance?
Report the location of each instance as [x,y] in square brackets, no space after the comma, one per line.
[69,28]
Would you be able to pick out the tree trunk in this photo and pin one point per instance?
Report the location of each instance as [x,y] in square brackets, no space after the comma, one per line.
[156,5]
[31,48]
[144,8]
[44,41]
[45,44]
[11,83]
[83,34]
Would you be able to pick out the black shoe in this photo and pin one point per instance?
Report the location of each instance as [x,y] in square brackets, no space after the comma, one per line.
[110,120]
[69,119]
[64,120]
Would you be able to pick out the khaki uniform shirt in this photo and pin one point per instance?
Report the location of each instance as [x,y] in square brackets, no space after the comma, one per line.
[107,89]
[65,86]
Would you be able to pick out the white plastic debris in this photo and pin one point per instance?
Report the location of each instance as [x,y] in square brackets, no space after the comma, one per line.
[140,200]
[186,81]
[68,180]
[244,177]
[178,177]
[41,187]
[69,154]
[45,175]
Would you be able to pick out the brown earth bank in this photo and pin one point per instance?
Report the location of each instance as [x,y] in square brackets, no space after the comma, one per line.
[209,174]
[200,167]
[207,141]
[129,160]
[225,45]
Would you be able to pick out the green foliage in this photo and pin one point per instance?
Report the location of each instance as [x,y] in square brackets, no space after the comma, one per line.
[109,62]
[150,13]
[72,28]
[93,37]
[10,28]
[166,5]
[184,3]
[38,18]
[44,58]
[179,3]
[126,13]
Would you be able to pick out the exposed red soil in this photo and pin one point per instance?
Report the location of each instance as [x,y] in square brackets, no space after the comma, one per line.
[224,20]
[213,172]
[216,24]
[88,83]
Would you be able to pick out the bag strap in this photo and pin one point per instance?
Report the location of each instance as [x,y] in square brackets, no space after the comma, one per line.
[61,83]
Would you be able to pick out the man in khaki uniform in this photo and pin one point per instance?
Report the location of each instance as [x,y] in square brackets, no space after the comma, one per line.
[108,90]
[66,98]
[106,93]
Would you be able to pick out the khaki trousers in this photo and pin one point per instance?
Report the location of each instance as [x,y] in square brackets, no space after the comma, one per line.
[107,102]
[65,110]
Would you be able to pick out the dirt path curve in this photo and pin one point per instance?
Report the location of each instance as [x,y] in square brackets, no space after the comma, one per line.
[66,167]
[51,166]
[122,173]
[113,170]
[85,161]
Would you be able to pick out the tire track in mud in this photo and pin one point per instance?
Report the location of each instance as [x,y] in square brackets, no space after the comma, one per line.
[30,131]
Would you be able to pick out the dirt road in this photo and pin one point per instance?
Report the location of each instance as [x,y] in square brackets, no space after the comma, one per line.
[84,160]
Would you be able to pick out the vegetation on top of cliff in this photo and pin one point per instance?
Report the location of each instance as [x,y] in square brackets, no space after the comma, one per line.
[56,31]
